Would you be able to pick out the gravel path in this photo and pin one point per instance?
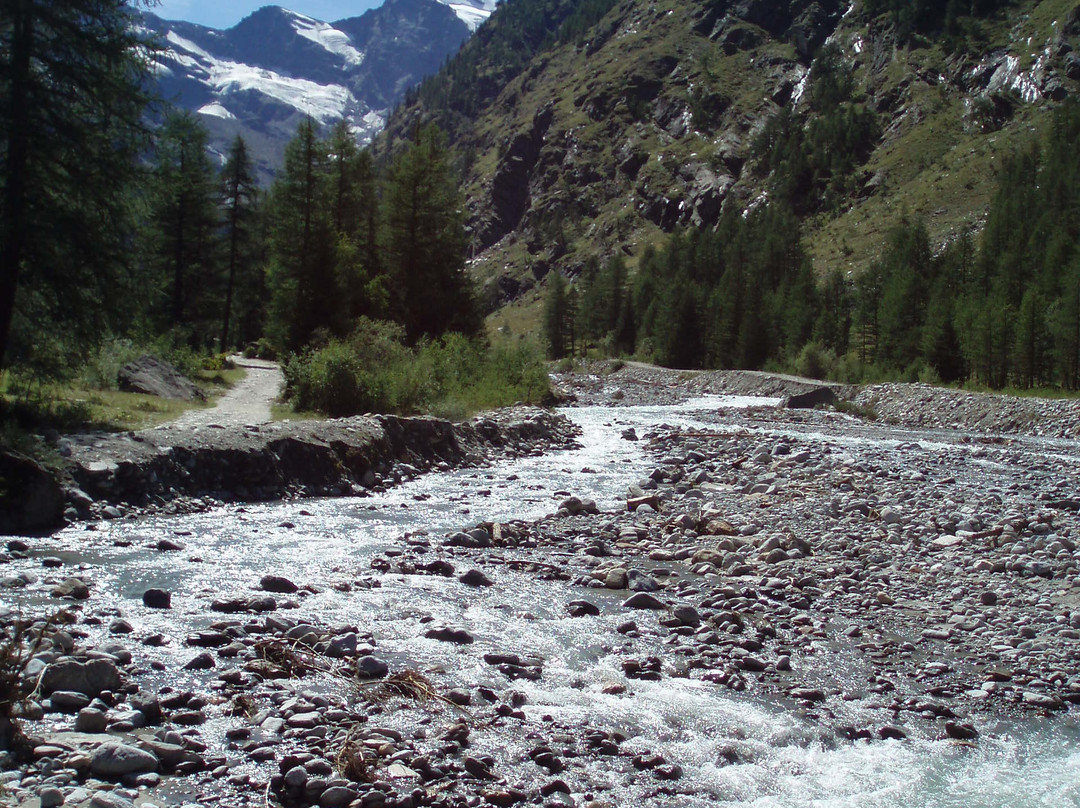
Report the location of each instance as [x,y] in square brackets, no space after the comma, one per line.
[245,404]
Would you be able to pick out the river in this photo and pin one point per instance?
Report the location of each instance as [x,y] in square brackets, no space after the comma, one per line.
[784,757]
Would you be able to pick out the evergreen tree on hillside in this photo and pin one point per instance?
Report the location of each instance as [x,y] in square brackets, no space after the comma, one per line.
[940,345]
[832,328]
[908,278]
[423,241]
[72,97]
[555,316]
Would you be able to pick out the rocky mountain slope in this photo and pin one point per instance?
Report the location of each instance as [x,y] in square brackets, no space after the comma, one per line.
[265,74]
[625,119]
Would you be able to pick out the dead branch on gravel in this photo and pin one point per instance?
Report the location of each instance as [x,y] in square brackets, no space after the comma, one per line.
[280,660]
[244,705]
[407,684]
[352,763]
[20,641]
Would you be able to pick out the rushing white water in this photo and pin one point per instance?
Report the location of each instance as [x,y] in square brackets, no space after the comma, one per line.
[784,758]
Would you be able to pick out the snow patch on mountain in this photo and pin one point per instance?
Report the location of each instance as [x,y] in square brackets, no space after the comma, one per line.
[216,110]
[471,16]
[178,41]
[471,12]
[186,53]
[328,37]
[323,102]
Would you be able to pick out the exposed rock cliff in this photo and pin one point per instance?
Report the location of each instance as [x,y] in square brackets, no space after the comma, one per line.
[646,117]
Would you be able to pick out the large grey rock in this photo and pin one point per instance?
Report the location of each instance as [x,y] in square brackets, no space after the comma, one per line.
[816,397]
[74,588]
[643,600]
[117,759]
[157,599]
[107,799]
[89,678]
[155,377]
[639,581]
[278,584]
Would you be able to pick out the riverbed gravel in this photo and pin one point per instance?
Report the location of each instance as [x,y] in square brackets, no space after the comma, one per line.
[880,579]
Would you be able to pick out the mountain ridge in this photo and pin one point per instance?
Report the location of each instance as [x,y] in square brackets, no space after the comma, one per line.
[262,76]
[648,120]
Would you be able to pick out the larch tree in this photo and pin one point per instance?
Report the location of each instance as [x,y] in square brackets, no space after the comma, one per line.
[72,98]
[555,307]
[354,208]
[301,272]
[239,198]
[424,241]
[183,237]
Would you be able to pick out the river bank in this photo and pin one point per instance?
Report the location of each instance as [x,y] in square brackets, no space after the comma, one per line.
[184,468]
[212,458]
[789,586]
[618,383]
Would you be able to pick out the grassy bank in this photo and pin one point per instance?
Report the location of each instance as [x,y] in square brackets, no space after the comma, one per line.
[88,399]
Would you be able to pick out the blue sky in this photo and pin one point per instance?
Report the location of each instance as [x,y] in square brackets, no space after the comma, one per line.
[226,13]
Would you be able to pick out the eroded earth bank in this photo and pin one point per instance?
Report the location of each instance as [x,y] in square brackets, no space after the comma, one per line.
[714,600]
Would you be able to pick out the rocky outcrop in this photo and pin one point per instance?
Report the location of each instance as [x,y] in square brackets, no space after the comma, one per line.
[31,500]
[161,468]
[510,196]
[814,397]
[155,377]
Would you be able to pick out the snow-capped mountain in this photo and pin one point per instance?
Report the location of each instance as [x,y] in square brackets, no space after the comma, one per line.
[264,75]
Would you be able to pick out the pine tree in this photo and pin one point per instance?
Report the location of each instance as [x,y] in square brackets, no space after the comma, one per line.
[72,96]
[1032,341]
[940,345]
[590,311]
[555,315]
[301,273]
[182,240]
[354,214]
[908,277]
[424,241]
[239,197]
[833,326]
[868,292]
[624,337]
[1065,327]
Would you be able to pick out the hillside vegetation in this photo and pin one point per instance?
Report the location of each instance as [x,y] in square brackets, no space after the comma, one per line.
[593,129]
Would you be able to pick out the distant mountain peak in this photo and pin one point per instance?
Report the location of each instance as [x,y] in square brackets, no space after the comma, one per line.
[275,67]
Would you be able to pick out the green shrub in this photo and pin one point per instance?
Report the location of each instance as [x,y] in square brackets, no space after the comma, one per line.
[102,369]
[814,361]
[373,371]
[263,349]
[217,362]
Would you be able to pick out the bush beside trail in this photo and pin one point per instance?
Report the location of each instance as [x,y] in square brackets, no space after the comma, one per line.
[373,370]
